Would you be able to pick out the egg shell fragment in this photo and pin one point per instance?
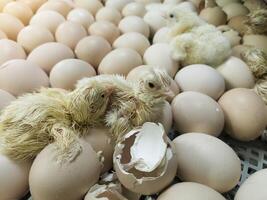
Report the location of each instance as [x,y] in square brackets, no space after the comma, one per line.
[81,16]
[5,99]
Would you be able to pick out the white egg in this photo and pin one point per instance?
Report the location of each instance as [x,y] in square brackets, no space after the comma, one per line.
[81,16]
[117,4]
[108,14]
[92,6]
[162,36]
[134,9]
[155,20]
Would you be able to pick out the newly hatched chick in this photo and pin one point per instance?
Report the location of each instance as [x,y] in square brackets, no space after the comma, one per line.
[35,120]
[196,42]
[257,22]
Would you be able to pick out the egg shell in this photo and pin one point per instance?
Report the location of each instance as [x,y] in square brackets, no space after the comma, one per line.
[33,4]
[117,4]
[245,114]
[235,9]
[238,23]
[160,55]
[48,19]
[201,78]
[155,20]
[58,6]
[254,187]
[134,24]
[190,191]
[162,36]
[10,50]
[5,99]
[70,33]
[92,49]
[49,54]
[10,25]
[2,35]
[33,36]
[105,29]
[196,112]
[214,16]
[14,178]
[108,14]
[134,9]
[92,6]
[67,72]
[81,16]
[258,41]
[211,170]
[69,180]
[236,74]
[120,61]
[132,40]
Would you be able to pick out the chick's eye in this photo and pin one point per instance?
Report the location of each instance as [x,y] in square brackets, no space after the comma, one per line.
[171,15]
[151,85]
[102,95]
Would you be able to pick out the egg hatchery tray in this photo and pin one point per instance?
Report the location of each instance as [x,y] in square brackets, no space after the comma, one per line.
[253,156]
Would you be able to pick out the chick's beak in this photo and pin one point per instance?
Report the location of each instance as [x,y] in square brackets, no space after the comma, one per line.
[169,94]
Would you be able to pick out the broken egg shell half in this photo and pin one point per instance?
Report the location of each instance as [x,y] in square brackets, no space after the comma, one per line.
[154,167]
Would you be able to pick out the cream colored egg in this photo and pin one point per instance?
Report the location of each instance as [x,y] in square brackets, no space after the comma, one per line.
[33,4]
[223,3]
[148,1]
[92,6]
[196,112]
[49,54]
[235,9]
[33,36]
[166,117]
[66,73]
[117,4]
[52,180]
[134,9]
[58,6]
[3,3]
[214,16]
[69,2]
[160,55]
[162,35]
[220,174]
[20,10]
[190,191]
[236,74]
[258,41]
[5,99]
[14,178]
[10,50]
[172,1]
[70,33]
[132,40]
[201,78]
[120,61]
[233,37]
[108,14]
[20,76]
[10,25]
[134,24]
[105,29]
[238,23]
[2,35]
[92,49]
[245,114]
[81,16]
[254,187]
[156,20]
[238,50]
[48,19]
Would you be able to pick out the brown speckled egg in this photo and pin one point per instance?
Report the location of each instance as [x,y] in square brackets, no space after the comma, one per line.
[117,4]
[10,50]
[67,72]
[245,114]
[81,16]
[108,14]
[33,4]
[92,49]
[48,19]
[10,25]
[5,99]
[134,9]
[20,76]
[33,36]
[214,16]
[92,6]
[59,6]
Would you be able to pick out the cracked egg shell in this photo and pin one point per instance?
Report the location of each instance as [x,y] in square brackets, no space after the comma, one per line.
[145,160]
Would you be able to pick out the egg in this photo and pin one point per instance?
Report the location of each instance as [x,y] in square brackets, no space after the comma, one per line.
[190,191]
[223,3]
[134,9]
[92,49]
[254,187]
[20,76]
[5,99]
[245,114]
[172,1]
[196,112]
[132,40]
[120,61]
[148,1]
[20,10]
[81,16]
[238,50]
[58,6]
[33,36]
[75,32]
[160,55]
[238,23]
[233,37]
[33,4]
[189,6]
[201,78]
[235,9]
[105,29]
[236,74]
[67,72]
[92,6]
[108,14]
[162,36]
[134,24]
[214,16]
[258,41]
[52,180]
[14,178]
[48,19]
[2,35]
[3,4]
[117,4]
[10,50]
[220,174]
[155,20]
[166,117]
[10,25]
[101,141]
